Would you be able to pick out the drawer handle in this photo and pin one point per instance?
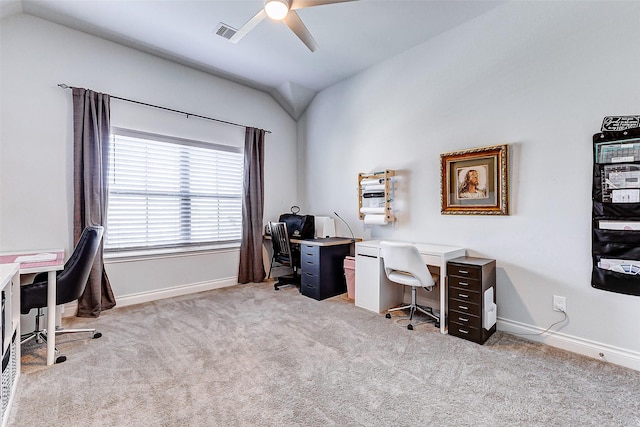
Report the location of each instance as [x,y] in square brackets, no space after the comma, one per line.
[463,307]
[463,284]
[309,262]
[463,331]
[463,271]
[463,319]
[308,254]
[463,295]
[308,274]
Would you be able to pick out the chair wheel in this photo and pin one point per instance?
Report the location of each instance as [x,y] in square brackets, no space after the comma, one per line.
[97,335]
[61,358]
[276,288]
[437,324]
[388,315]
[410,327]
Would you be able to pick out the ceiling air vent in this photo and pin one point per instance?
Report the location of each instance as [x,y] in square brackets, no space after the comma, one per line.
[225,31]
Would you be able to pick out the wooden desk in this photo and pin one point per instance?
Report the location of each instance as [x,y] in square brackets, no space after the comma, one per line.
[376,293]
[325,241]
[321,265]
[51,267]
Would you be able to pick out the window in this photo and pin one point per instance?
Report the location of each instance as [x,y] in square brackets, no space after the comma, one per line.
[170,192]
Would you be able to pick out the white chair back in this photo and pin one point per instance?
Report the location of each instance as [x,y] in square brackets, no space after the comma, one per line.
[405,258]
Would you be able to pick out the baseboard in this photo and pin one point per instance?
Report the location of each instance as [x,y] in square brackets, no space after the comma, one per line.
[595,350]
[70,309]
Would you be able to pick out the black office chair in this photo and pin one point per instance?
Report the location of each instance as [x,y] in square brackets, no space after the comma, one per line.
[70,284]
[283,255]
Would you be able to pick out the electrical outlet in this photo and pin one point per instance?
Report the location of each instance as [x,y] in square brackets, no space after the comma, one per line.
[559,304]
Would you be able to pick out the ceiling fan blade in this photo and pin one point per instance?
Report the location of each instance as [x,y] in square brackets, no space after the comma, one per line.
[250,25]
[301,4]
[294,22]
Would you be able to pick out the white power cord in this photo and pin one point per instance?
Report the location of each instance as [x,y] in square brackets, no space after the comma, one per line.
[551,326]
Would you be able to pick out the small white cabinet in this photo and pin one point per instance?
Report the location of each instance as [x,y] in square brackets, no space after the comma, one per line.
[10,293]
[374,291]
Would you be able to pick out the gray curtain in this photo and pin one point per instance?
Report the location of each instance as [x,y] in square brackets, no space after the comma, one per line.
[251,268]
[91,121]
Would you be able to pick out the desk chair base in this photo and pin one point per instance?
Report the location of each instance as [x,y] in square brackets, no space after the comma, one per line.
[40,335]
[287,281]
[413,307]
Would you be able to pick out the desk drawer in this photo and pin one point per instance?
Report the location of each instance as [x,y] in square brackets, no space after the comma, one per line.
[311,251]
[465,331]
[466,295]
[370,251]
[310,278]
[464,307]
[464,283]
[464,319]
[310,258]
[310,265]
[464,270]
[310,290]
[310,285]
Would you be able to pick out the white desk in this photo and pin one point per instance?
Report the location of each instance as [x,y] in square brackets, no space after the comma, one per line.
[10,286]
[51,267]
[376,293]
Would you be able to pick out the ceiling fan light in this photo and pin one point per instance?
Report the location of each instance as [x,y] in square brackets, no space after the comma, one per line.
[276,9]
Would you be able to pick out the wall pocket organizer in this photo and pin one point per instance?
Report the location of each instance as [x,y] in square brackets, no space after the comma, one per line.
[616,212]
[375,194]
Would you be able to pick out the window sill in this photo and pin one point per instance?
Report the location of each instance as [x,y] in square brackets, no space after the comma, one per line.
[143,255]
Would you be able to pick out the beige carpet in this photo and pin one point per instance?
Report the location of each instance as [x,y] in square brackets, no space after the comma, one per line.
[251,356]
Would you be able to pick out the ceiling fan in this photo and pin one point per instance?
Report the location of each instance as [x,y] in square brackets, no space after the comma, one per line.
[285,10]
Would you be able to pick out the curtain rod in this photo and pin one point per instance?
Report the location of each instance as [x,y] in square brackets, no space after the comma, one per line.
[65,86]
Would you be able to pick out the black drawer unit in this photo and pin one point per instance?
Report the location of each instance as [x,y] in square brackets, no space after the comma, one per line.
[468,279]
[322,273]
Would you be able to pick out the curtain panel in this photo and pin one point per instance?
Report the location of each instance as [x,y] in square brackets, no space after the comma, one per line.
[91,128]
[251,267]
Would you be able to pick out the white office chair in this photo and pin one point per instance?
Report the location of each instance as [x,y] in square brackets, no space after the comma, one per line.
[403,264]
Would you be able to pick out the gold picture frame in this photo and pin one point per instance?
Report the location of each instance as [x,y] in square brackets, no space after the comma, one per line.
[475,181]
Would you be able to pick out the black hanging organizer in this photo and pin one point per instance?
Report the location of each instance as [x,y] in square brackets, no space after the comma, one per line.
[616,211]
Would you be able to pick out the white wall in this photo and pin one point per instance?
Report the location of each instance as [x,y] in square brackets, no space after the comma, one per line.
[36,184]
[537,75]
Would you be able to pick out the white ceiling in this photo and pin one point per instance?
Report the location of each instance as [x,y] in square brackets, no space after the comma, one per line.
[352,36]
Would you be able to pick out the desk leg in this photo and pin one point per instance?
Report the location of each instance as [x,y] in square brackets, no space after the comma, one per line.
[51,318]
[443,301]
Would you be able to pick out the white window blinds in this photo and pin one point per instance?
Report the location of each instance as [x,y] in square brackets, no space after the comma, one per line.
[171,192]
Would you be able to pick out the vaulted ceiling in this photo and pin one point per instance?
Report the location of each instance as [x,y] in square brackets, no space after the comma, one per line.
[351,36]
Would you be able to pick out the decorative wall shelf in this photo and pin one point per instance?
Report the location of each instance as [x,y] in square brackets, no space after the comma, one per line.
[375,194]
